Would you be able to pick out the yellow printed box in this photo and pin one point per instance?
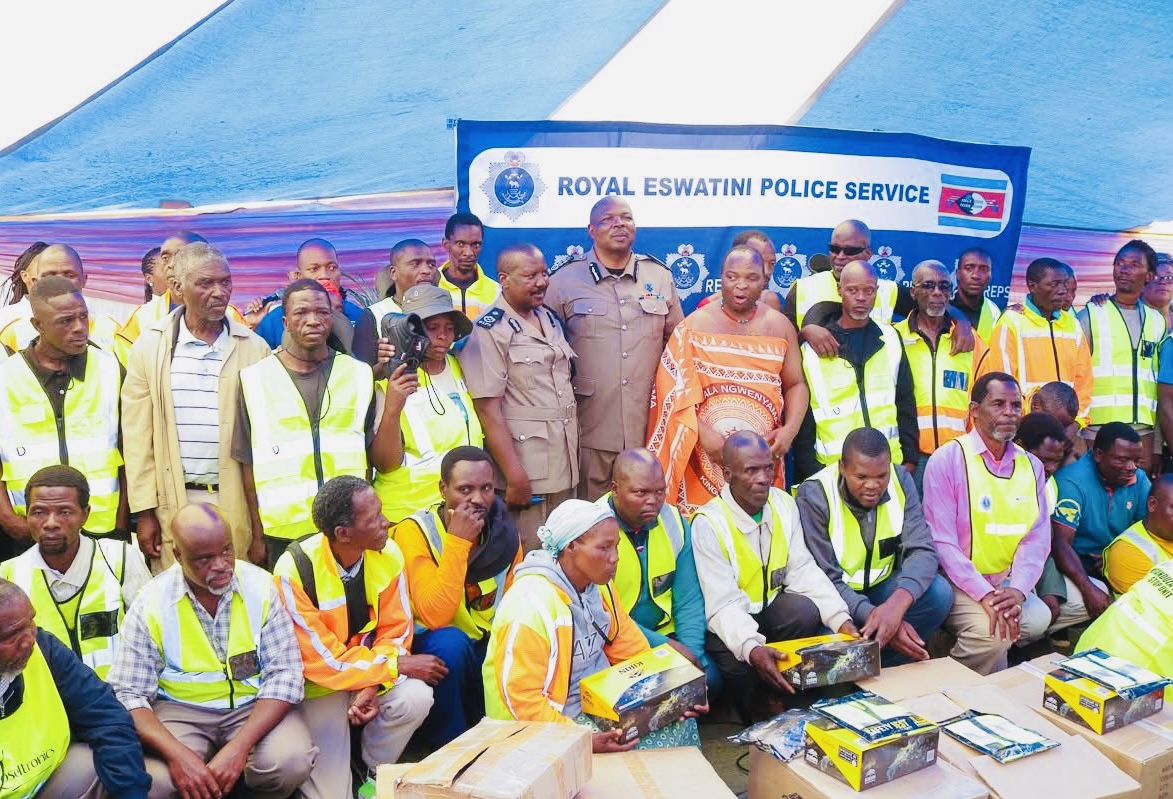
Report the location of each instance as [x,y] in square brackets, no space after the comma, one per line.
[863,764]
[823,660]
[646,693]
[1089,704]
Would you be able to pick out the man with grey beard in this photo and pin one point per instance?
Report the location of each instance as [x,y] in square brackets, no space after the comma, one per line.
[867,384]
[941,379]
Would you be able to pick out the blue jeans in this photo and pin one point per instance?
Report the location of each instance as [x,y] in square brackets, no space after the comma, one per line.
[458,700]
[926,615]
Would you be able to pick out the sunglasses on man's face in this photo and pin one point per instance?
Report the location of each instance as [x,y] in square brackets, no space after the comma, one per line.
[836,250]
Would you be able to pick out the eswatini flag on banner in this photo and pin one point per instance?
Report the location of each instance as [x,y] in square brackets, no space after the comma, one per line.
[975,203]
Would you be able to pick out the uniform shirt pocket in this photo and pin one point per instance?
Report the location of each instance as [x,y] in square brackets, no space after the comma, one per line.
[585,316]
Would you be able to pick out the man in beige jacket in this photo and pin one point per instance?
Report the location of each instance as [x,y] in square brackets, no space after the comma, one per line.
[179,406]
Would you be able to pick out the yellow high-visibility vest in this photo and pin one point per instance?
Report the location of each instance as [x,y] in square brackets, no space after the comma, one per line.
[427,437]
[987,319]
[839,404]
[474,619]
[761,582]
[665,541]
[1001,509]
[862,568]
[88,624]
[35,738]
[823,287]
[86,437]
[474,300]
[941,383]
[1125,376]
[1138,626]
[192,671]
[294,456]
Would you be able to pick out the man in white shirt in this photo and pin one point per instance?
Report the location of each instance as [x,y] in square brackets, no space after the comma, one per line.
[759,586]
[80,588]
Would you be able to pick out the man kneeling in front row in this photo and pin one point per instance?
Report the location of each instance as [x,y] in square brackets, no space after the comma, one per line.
[759,581]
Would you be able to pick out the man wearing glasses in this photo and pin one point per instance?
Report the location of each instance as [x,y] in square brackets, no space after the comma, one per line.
[941,379]
[1124,336]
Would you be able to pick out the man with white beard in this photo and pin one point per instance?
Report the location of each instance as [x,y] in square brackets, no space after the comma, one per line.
[940,379]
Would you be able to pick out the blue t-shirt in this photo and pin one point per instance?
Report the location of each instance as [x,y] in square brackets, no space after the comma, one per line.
[1096,513]
[1165,362]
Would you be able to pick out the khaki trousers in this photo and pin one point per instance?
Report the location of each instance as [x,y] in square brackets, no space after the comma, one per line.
[75,778]
[529,520]
[594,471]
[277,765]
[401,711]
[984,653]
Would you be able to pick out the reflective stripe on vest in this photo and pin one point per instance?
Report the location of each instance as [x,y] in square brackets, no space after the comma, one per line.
[1001,509]
[1139,536]
[760,582]
[940,383]
[1046,349]
[292,457]
[192,671]
[382,308]
[837,404]
[847,538]
[1138,626]
[823,287]
[1125,377]
[473,300]
[665,541]
[99,609]
[427,437]
[35,737]
[473,621]
[88,440]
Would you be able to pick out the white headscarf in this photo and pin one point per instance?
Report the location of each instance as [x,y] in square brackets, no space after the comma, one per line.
[570,520]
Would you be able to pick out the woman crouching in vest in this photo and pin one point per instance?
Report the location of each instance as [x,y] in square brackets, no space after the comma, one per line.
[559,622]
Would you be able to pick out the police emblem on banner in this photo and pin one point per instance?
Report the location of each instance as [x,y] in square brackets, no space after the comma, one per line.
[887,265]
[688,270]
[573,253]
[790,266]
[514,186]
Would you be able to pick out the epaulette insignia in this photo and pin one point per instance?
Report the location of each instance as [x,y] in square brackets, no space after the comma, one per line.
[516,325]
[491,318]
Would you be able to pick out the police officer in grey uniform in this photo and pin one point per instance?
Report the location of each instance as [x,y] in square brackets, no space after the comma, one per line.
[516,365]
[619,308]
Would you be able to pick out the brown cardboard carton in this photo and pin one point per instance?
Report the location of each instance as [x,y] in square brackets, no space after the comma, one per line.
[919,679]
[1074,770]
[823,660]
[680,773]
[503,760]
[1143,751]
[770,778]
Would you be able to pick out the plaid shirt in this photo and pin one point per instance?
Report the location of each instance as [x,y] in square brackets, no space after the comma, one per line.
[135,674]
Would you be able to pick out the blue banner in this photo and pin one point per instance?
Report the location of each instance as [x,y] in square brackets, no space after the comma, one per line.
[693,188]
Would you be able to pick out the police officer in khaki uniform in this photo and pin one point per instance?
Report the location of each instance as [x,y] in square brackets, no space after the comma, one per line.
[619,308]
[516,365]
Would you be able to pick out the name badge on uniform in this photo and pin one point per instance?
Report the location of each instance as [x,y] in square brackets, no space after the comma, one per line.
[244,665]
[98,625]
[663,583]
[1148,349]
[777,579]
[956,379]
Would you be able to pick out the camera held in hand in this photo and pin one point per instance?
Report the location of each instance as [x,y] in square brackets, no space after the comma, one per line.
[406,332]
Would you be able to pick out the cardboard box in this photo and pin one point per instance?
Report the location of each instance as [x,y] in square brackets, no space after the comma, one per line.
[1143,751]
[823,660]
[655,774]
[920,679]
[1073,770]
[643,694]
[864,764]
[499,760]
[770,778]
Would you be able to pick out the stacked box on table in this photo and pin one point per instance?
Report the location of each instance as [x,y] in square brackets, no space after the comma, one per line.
[823,660]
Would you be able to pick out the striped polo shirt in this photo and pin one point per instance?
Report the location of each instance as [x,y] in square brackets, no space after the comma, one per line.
[195,392]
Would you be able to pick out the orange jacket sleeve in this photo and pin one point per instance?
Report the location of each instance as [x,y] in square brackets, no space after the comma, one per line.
[396,627]
[1083,379]
[329,661]
[436,590]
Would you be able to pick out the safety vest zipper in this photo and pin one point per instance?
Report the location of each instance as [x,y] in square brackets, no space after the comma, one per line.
[932,386]
[867,558]
[317,438]
[1054,349]
[231,689]
[860,379]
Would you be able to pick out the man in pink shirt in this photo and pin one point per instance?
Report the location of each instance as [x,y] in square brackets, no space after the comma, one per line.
[990,525]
